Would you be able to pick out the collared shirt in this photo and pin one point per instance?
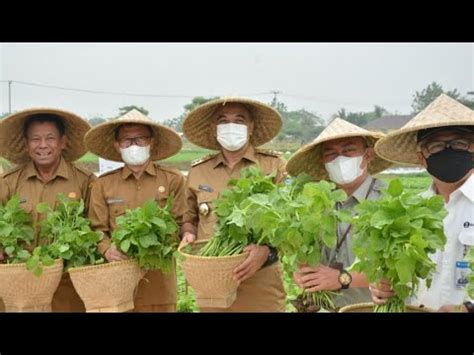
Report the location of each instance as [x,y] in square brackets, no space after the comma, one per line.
[459,230]
[345,255]
[25,181]
[118,190]
[207,179]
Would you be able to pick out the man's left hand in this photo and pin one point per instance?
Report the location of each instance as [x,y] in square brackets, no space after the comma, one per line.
[258,255]
[323,278]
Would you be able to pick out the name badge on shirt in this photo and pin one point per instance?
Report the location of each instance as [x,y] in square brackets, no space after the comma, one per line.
[462,274]
[112,201]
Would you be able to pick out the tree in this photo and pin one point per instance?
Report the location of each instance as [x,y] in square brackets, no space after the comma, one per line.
[361,118]
[467,102]
[429,94]
[299,125]
[177,122]
[96,120]
[123,110]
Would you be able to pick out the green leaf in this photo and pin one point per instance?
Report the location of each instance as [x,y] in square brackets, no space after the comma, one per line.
[395,188]
[125,245]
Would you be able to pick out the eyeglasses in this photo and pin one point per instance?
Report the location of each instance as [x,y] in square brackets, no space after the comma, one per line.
[438,146]
[141,141]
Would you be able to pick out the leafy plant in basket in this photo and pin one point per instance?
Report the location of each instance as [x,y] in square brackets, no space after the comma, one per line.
[69,233]
[393,237]
[233,232]
[16,234]
[149,235]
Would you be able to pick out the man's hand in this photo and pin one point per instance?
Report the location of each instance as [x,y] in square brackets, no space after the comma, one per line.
[381,291]
[113,254]
[319,278]
[188,238]
[258,255]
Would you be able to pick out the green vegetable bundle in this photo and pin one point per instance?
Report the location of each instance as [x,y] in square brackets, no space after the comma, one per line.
[233,231]
[70,235]
[393,237]
[16,234]
[149,235]
[16,231]
[299,219]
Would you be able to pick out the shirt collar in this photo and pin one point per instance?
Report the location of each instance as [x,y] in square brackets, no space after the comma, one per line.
[360,193]
[248,155]
[150,170]
[62,170]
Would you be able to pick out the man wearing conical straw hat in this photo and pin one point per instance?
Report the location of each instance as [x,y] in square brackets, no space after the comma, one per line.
[441,139]
[44,142]
[234,126]
[344,154]
[138,141]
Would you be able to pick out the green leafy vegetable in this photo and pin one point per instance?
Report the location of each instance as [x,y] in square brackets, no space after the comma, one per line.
[148,234]
[393,237]
[69,233]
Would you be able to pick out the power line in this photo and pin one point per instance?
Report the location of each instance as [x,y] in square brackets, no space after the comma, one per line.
[115,93]
[101,92]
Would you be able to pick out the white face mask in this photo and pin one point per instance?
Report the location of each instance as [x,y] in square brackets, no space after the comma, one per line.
[135,155]
[344,170]
[232,136]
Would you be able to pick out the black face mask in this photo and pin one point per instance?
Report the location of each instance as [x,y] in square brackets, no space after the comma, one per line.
[450,165]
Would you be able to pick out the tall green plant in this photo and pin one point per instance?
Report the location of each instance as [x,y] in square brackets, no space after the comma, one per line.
[393,237]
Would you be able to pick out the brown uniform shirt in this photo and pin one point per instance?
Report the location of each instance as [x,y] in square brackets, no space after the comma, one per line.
[264,291]
[69,180]
[24,180]
[209,177]
[119,190]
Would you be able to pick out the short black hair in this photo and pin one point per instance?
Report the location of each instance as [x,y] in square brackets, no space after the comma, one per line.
[116,131]
[425,133]
[45,117]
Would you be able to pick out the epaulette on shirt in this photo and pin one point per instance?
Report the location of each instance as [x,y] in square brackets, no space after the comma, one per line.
[272,153]
[11,171]
[203,159]
[167,168]
[83,170]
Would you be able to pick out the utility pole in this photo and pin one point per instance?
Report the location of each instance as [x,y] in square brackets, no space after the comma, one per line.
[9,96]
[275,93]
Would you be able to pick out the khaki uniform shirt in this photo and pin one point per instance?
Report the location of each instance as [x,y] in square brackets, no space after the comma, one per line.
[264,291]
[209,176]
[119,190]
[24,180]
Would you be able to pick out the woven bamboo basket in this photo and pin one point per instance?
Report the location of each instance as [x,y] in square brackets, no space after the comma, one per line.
[211,277]
[107,287]
[369,308]
[22,291]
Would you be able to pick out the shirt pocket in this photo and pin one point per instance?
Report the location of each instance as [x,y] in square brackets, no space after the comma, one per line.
[466,236]
[117,209]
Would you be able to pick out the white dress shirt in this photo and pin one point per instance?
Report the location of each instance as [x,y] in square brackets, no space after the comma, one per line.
[446,287]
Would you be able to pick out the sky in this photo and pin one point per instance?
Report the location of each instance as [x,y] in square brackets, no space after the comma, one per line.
[319,77]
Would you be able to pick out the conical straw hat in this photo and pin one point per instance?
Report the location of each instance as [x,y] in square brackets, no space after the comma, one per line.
[308,160]
[198,128]
[401,146]
[100,139]
[13,145]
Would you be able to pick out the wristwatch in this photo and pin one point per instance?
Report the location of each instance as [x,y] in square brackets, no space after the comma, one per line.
[345,279]
[272,257]
[470,306]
